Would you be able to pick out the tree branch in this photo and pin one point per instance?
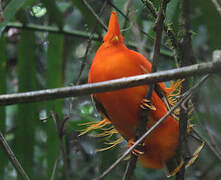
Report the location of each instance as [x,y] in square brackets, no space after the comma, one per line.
[167,30]
[186,96]
[83,62]
[141,129]
[75,33]
[211,145]
[217,6]
[60,127]
[12,157]
[1,12]
[94,14]
[186,57]
[73,91]
[53,29]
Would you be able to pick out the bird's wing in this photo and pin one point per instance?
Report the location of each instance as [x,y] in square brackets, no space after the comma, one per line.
[100,108]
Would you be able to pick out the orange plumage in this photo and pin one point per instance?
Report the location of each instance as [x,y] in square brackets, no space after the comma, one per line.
[114,60]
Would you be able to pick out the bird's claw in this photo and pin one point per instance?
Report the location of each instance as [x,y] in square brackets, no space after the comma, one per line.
[138,150]
[146,104]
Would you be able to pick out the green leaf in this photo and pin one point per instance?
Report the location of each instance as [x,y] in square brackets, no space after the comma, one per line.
[3,158]
[38,11]
[88,110]
[54,76]
[26,119]
[10,11]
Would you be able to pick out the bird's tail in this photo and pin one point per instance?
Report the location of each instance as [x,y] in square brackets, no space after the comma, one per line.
[193,147]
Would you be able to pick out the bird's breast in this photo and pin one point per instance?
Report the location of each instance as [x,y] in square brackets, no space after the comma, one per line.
[122,106]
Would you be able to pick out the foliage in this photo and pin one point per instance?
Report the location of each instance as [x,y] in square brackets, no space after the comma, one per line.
[31,59]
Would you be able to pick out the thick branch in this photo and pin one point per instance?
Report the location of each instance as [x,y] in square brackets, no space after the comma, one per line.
[141,129]
[186,57]
[73,91]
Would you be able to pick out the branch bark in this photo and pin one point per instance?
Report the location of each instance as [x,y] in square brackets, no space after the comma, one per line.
[187,58]
[83,62]
[1,12]
[217,6]
[141,129]
[94,14]
[149,5]
[80,90]
[12,157]
[74,33]
[53,29]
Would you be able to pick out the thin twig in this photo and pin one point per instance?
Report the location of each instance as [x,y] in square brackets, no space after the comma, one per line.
[83,62]
[167,30]
[214,144]
[1,12]
[128,6]
[94,14]
[187,95]
[183,123]
[57,124]
[151,7]
[127,18]
[217,6]
[12,157]
[209,145]
[55,166]
[60,127]
[80,90]
[141,129]
[139,29]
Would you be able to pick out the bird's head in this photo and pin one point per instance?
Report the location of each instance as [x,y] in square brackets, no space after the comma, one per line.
[113,35]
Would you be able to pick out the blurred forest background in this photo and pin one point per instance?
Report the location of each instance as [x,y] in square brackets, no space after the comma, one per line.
[49,44]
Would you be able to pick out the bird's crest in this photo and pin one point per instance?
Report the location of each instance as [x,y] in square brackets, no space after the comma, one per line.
[113,34]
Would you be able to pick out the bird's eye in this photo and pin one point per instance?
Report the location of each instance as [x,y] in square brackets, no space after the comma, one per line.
[115,39]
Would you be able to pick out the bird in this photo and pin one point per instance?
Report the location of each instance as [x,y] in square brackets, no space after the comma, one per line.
[122,108]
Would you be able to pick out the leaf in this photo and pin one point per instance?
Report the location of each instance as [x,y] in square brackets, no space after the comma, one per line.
[26,119]
[10,11]
[3,158]
[54,76]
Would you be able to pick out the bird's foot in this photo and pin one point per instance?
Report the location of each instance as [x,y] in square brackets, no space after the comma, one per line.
[146,104]
[138,150]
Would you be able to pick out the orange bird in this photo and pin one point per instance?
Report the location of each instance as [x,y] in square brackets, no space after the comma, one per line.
[122,108]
